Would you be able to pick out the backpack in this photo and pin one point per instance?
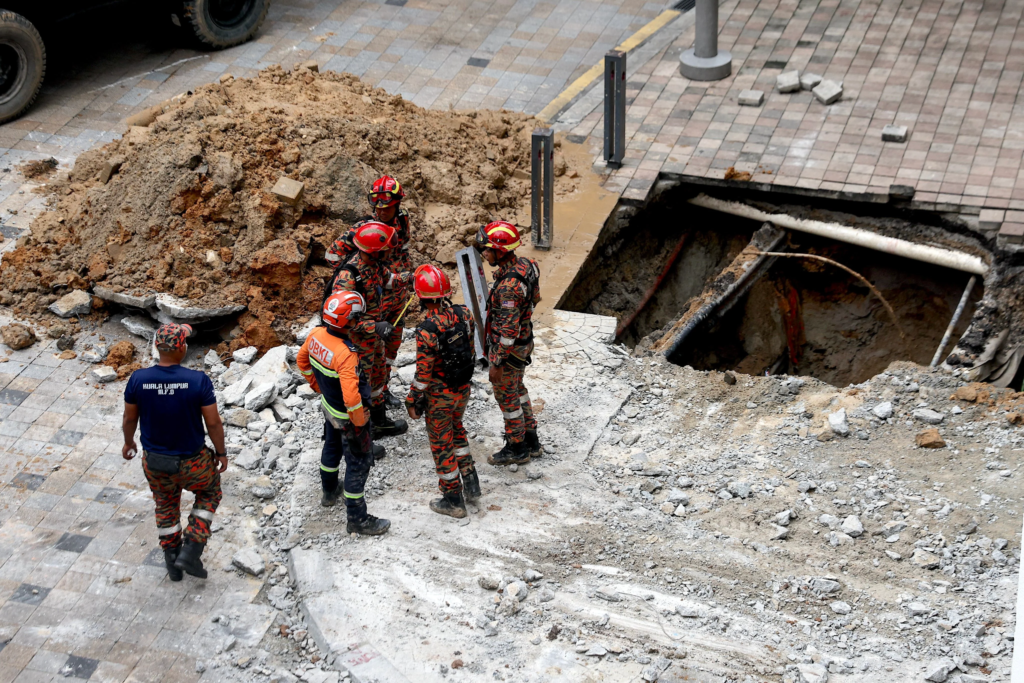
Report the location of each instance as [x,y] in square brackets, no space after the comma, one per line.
[531,280]
[458,357]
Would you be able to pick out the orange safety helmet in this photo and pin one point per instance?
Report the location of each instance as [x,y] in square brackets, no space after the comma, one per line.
[501,236]
[385,192]
[373,237]
[342,308]
[430,282]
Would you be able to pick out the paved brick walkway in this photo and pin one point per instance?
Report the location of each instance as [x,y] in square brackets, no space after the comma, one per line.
[84,594]
[950,71]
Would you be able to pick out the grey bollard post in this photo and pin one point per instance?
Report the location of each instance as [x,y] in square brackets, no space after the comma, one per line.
[475,291]
[704,62]
[542,182]
[614,108]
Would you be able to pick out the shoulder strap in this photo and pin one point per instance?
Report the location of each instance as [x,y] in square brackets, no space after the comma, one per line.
[428,325]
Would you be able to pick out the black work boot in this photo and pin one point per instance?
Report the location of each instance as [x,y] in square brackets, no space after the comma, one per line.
[371,526]
[471,485]
[384,425]
[534,443]
[379,452]
[392,401]
[188,559]
[170,555]
[330,498]
[450,504]
[511,454]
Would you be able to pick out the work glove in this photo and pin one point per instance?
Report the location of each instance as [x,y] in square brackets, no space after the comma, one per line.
[383,329]
[405,277]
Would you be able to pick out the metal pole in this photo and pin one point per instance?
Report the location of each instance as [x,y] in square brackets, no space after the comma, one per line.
[704,62]
[956,318]
[614,108]
[542,184]
[548,230]
[536,164]
[474,291]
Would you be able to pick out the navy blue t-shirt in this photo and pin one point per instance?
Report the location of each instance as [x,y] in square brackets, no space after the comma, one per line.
[170,399]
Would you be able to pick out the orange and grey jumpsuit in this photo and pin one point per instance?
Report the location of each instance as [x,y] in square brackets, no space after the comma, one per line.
[509,337]
[330,364]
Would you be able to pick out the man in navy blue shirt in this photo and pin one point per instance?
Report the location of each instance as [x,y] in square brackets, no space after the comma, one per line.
[172,403]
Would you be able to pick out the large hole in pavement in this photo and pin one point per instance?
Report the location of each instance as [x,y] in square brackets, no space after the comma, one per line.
[800,317]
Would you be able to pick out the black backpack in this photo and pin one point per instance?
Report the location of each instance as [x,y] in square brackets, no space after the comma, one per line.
[458,357]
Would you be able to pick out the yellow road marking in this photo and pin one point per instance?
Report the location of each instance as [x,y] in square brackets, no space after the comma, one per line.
[580,84]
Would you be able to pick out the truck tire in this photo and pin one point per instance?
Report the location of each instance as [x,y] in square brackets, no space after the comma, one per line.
[22,64]
[223,23]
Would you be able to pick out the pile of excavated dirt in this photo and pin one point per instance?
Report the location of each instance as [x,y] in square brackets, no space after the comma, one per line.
[185,206]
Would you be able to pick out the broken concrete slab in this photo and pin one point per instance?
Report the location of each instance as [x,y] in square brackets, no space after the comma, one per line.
[788,81]
[171,309]
[928,416]
[269,367]
[234,395]
[103,374]
[133,299]
[249,561]
[751,98]
[288,191]
[828,92]
[139,326]
[74,303]
[259,398]
[809,81]
[245,355]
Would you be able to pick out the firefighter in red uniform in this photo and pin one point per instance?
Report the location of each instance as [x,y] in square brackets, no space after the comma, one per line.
[329,362]
[365,272]
[445,358]
[386,197]
[509,337]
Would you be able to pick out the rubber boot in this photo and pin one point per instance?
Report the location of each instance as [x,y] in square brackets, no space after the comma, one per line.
[384,425]
[471,485]
[330,498]
[371,526]
[173,573]
[188,559]
[511,454]
[450,504]
[534,443]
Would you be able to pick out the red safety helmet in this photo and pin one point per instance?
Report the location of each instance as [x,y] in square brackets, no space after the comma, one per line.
[342,308]
[373,237]
[501,236]
[386,192]
[430,282]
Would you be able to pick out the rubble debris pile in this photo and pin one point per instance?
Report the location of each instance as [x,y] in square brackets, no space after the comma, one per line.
[232,195]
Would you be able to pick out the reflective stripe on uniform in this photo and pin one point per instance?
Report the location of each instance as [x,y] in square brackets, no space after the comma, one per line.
[332,258]
[506,341]
[525,398]
[419,386]
[340,414]
[450,476]
[307,372]
[376,392]
[355,407]
[169,531]
[326,371]
[324,468]
[462,451]
[353,496]
[513,415]
[202,514]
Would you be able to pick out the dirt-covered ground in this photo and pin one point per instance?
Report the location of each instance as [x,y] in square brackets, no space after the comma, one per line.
[184,205]
[678,527]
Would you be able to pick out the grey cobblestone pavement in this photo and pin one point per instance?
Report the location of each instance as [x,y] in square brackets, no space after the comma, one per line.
[84,594]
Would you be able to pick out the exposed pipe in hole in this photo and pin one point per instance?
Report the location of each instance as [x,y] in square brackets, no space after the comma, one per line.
[843,233]
[956,318]
[623,326]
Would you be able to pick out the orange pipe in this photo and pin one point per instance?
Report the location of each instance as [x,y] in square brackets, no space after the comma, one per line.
[623,326]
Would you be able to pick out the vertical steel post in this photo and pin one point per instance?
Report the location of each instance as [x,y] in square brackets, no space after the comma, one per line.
[542,181]
[704,61]
[614,108]
[475,292]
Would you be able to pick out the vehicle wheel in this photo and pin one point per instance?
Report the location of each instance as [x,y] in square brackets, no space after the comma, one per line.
[22,64]
[223,23]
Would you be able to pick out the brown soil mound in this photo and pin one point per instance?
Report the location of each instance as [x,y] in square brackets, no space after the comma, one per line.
[38,169]
[187,206]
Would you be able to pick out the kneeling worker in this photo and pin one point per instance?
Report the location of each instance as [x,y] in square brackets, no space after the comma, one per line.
[172,403]
[329,362]
[444,367]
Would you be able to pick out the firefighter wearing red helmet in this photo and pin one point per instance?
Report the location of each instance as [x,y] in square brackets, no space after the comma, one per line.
[445,359]
[329,361]
[366,272]
[509,336]
[385,199]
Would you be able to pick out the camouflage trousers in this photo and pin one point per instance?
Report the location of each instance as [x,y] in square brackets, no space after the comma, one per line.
[513,398]
[198,475]
[448,441]
[391,345]
[372,363]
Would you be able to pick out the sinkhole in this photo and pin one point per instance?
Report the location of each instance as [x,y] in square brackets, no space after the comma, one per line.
[675,267]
